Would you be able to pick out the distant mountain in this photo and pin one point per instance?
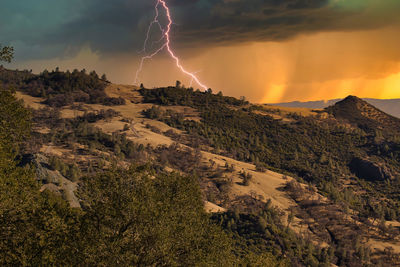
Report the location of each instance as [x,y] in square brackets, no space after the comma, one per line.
[361,113]
[390,106]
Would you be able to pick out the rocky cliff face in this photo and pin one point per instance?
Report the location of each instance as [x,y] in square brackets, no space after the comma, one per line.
[365,168]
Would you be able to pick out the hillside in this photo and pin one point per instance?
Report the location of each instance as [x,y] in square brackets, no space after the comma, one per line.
[389,106]
[292,183]
[367,117]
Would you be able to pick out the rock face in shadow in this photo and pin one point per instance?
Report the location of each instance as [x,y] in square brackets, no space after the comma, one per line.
[369,170]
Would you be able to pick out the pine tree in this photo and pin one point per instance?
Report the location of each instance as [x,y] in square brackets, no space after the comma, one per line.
[6,53]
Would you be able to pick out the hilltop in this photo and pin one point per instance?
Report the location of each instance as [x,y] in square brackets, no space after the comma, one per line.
[294,183]
[389,106]
[359,112]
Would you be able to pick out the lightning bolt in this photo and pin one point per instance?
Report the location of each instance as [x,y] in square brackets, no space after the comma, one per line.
[155,21]
[165,45]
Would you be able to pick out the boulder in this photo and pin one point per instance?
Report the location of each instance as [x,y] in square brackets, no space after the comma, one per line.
[369,170]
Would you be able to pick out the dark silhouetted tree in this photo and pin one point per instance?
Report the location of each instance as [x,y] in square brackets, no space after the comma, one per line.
[6,53]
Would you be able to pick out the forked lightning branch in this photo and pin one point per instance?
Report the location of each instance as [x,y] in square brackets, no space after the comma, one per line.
[165,43]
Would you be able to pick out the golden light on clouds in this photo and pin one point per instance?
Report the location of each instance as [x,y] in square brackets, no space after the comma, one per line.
[390,86]
[383,88]
[310,67]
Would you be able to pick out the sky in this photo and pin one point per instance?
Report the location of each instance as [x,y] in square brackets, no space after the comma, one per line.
[266,50]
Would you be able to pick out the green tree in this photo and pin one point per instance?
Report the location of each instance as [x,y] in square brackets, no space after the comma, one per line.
[132,219]
[14,126]
[6,53]
[35,227]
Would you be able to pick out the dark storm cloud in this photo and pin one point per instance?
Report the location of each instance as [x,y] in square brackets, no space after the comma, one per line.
[48,28]
[263,20]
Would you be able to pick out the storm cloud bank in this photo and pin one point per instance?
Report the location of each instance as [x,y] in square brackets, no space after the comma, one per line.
[46,28]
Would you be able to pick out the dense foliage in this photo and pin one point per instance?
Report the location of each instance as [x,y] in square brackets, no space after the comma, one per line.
[129,217]
[14,124]
[188,97]
[61,88]
[316,151]
[6,53]
[264,231]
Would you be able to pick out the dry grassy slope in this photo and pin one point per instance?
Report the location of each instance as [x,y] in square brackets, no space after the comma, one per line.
[287,110]
[33,102]
[211,207]
[66,187]
[265,184]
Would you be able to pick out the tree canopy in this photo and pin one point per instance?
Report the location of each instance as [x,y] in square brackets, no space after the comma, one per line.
[6,53]
[129,217]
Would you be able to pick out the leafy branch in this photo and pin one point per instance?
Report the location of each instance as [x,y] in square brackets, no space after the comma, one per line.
[6,53]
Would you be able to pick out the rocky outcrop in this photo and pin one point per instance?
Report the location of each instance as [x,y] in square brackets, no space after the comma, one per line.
[44,173]
[52,180]
[367,169]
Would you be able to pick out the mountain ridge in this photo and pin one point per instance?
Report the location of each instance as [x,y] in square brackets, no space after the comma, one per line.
[390,106]
[363,114]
